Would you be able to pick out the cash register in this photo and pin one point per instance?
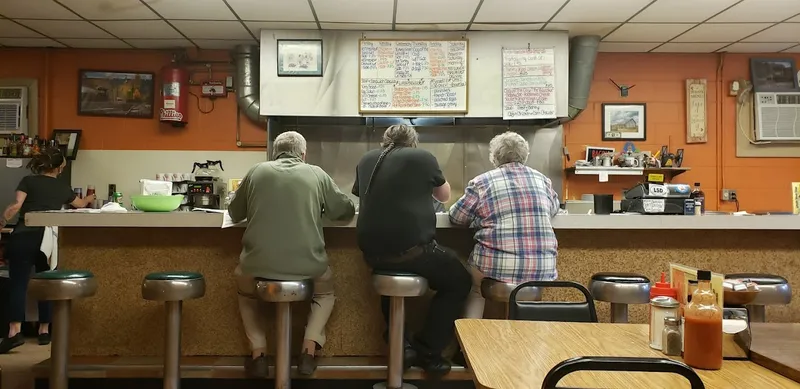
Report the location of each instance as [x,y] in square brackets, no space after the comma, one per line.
[655,198]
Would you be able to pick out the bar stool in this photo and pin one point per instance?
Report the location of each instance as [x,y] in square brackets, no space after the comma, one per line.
[620,289]
[283,294]
[61,287]
[494,290]
[774,290]
[173,288]
[397,286]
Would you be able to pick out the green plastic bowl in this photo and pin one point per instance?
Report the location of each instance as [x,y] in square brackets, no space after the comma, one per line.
[157,203]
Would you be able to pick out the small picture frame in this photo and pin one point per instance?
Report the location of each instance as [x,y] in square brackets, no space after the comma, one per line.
[624,121]
[299,57]
[594,151]
[116,94]
[69,141]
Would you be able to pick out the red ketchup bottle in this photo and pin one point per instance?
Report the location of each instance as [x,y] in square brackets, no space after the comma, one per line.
[662,288]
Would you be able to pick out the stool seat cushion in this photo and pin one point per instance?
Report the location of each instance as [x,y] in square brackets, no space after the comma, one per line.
[621,278]
[283,291]
[496,290]
[759,278]
[173,275]
[62,275]
[399,283]
[397,273]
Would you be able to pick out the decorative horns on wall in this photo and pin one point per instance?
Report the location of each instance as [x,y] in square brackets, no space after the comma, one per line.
[623,89]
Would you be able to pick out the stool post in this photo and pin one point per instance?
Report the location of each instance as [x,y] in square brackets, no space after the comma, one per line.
[59,350]
[172,345]
[397,317]
[619,313]
[283,342]
[757,313]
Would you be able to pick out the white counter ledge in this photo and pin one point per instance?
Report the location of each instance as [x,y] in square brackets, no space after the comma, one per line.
[567,222]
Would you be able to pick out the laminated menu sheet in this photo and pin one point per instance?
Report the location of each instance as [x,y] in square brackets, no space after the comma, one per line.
[413,76]
[529,83]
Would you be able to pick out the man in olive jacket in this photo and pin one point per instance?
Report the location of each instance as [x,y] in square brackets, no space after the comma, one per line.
[284,201]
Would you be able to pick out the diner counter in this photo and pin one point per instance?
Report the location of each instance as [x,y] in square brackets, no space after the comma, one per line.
[567,222]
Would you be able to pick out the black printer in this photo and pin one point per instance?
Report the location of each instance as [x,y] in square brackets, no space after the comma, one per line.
[655,199]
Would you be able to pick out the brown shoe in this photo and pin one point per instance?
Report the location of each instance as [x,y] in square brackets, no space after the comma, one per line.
[307,363]
[257,367]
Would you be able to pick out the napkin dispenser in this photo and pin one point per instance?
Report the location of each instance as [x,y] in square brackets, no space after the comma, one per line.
[736,334]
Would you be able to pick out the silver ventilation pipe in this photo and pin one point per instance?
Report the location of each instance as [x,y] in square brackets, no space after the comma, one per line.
[245,58]
[582,58]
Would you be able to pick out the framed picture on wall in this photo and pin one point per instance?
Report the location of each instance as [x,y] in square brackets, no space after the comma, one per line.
[299,57]
[624,121]
[68,141]
[116,94]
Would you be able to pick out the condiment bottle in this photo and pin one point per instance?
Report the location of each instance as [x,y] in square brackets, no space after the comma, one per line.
[663,288]
[699,196]
[661,307]
[671,342]
[702,344]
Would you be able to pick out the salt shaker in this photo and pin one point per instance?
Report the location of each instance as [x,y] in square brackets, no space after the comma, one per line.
[661,307]
[671,342]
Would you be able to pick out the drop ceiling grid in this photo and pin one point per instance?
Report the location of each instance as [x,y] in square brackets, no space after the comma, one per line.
[637,25]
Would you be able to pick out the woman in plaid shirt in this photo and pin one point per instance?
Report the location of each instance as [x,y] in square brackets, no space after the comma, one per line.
[511,208]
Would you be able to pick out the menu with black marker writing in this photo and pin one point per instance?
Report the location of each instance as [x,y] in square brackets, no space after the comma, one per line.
[529,78]
[413,76]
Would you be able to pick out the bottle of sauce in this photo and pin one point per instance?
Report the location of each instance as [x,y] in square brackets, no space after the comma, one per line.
[699,196]
[702,337]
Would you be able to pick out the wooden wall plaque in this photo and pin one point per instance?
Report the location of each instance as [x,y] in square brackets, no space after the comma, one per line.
[696,111]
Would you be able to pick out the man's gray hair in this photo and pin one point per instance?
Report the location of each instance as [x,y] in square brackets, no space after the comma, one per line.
[289,142]
[401,135]
[508,147]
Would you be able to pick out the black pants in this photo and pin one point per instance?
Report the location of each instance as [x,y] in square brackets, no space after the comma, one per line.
[23,254]
[446,275]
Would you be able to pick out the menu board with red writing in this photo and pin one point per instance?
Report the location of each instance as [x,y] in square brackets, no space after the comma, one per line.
[405,76]
[529,78]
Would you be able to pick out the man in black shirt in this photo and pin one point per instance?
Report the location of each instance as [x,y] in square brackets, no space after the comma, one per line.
[396,230]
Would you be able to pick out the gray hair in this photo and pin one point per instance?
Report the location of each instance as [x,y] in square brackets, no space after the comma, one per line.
[289,142]
[508,147]
[401,135]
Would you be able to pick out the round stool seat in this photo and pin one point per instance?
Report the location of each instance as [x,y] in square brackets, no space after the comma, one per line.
[774,290]
[275,291]
[173,286]
[57,285]
[399,284]
[495,290]
[620,288]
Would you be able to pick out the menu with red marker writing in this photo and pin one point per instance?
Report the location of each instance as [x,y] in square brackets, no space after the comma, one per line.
[413,76]
[529,78]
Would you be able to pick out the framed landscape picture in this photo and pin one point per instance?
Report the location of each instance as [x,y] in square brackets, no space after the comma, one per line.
[624,121]
[116,94]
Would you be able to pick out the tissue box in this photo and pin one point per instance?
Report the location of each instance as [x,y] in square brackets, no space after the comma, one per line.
[155,188]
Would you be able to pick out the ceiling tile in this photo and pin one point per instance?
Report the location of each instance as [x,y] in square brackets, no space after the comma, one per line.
[110,10]
[574,29]
[756,47]
[724,32]
[159,43]
[66,28]
[150,29]
[34,9]
[440,11]
[505,27]
[577,11]
[192,9]
[517,11]
[783,32]
[211,30]
[759,11]
[356,26]
[688,48]
[354,11]
[795,19]
[793,49]
[29,42]
[9,29]
[95,43]
[682,11]
[431,27]
[219,44]
[256,27]
[635,32]
[272,10]
[616,47]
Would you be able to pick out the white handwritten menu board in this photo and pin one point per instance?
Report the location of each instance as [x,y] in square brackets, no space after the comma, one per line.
[529,80]
[405,76]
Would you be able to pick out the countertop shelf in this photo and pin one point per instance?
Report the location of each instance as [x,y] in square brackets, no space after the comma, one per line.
[668,172]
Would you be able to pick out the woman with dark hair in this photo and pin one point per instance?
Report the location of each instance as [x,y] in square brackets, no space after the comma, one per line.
[40,191]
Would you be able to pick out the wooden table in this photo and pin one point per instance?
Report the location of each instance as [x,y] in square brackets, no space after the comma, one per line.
[505,354]
[776,346]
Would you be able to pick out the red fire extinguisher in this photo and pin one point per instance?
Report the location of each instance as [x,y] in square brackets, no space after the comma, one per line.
[175,95]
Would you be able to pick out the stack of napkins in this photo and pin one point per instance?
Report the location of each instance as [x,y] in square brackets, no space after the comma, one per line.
[155,188]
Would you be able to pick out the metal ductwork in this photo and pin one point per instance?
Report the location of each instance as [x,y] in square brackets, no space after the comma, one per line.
[582,58]
[245,58]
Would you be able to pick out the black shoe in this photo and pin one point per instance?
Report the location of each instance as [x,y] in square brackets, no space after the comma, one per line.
[435,366]
[44,339]
[11,343]
[257,367]
[410,355]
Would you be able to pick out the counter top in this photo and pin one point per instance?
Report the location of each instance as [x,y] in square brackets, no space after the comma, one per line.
[565,222]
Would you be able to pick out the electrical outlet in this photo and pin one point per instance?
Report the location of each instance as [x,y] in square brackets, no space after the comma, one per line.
[729,195]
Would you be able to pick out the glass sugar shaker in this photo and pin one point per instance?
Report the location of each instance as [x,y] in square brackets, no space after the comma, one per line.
[671,343]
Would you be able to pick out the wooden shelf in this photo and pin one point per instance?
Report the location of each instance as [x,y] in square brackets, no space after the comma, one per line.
[668,172]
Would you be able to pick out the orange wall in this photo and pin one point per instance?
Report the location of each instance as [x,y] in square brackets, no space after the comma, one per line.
[57,72]
[761,183]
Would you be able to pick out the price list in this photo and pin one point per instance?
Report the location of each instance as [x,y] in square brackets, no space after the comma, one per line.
[529,84]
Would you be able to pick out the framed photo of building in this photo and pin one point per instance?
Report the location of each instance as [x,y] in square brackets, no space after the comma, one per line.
[299,57]
[624,121]
[116,94]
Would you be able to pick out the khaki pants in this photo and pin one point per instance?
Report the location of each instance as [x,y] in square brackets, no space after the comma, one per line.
[473,308]
[254,315]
